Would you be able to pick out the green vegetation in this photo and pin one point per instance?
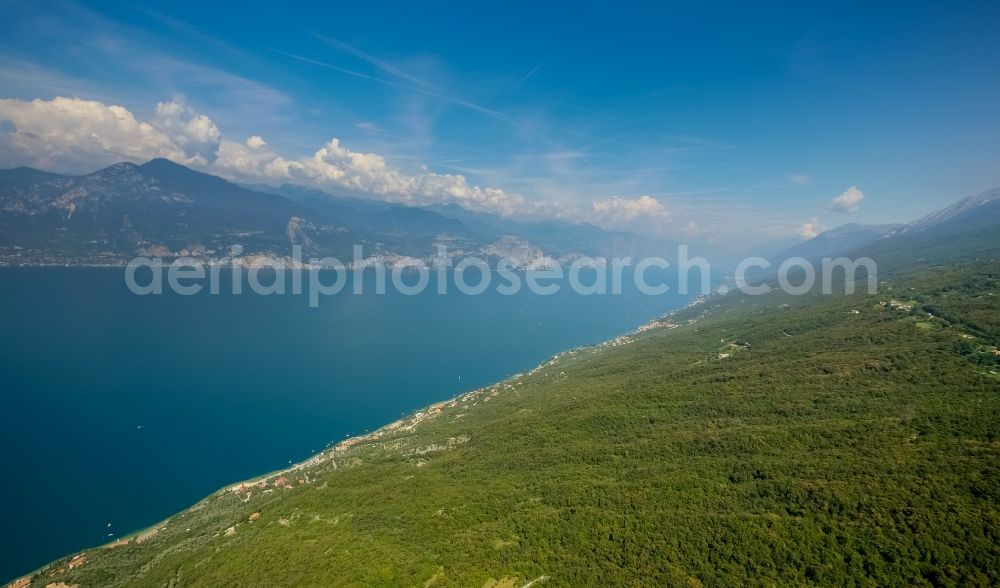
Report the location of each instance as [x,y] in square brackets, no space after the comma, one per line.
[835,440]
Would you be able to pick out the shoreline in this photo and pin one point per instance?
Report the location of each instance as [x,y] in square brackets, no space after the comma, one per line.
[414,418]
[404,423]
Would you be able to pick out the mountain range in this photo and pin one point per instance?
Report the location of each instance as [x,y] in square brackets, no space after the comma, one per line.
[972,218]
[164,209]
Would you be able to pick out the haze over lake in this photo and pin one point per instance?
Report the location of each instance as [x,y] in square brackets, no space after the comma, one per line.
[124,409]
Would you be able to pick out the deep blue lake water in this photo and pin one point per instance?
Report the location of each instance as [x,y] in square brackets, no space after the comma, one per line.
[124,409]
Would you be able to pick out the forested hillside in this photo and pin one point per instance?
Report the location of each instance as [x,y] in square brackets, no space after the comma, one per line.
[776,440]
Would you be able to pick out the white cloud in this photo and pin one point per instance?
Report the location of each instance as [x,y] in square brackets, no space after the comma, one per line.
[256,141]
[334,165]
[248,162]
[195,133]
[80,135]
[798,179]
[624,210]
[644,214]
[810,229]
[849,201]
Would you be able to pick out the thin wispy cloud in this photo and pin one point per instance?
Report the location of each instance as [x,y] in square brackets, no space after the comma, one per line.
[115,63]
[532,71]
[427,91]
[27,78]
[187,29]
[416,84]
[408,82]
[381,64]
[330,66]
[423,86]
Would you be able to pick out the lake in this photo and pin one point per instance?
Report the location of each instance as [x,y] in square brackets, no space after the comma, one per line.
[119,410]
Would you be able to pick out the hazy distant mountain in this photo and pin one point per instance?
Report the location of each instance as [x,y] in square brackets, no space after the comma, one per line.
[369,215]
[405,229]
[770,249]
[559,237]
[466,229]
[836,242]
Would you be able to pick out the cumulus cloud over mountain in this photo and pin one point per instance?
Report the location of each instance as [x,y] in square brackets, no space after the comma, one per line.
[810,229]
[77,136]
[849,201]
[70,134]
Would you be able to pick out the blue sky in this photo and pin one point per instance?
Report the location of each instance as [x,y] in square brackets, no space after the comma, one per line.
[734,122]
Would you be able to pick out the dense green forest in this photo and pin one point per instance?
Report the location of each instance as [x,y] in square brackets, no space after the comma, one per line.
[772,440]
